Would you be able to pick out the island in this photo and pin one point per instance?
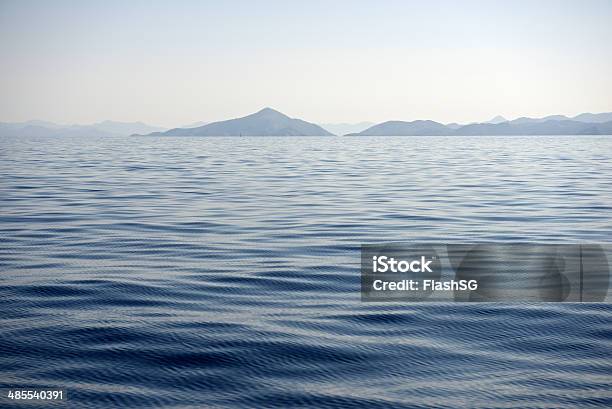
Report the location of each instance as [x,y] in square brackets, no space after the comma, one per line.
[267,122]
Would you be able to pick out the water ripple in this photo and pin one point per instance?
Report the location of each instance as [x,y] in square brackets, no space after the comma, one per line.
[224,272]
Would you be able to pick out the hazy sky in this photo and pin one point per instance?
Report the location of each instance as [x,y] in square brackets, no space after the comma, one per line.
[175,62]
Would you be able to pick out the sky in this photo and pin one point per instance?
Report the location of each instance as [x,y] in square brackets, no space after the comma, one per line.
[171,63]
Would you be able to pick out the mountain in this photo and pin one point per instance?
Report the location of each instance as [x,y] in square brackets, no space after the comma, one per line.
[587,117]
[401,128]
[38,122]
[526,120]
[266,122]
[38,128]
[555,118]
[498,119]
[346,128]
[523,120]
[273,123]
[25,129]
[454,125]
[125,128]
[605,128]
[549,127]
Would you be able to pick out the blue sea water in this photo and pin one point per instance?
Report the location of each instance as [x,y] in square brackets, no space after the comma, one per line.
[224,272]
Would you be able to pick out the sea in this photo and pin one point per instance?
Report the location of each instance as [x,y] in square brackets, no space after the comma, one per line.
[224,272]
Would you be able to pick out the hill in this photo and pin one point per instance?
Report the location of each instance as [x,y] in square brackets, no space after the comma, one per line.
[401,128]
[38,128]
[547,127]
[266,122]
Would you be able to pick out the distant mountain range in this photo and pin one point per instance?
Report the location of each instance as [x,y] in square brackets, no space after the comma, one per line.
[269,122]
[266,122]
[44,128]
[587,118]
[583,124]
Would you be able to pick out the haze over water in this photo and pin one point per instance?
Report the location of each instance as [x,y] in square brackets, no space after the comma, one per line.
[179,272]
